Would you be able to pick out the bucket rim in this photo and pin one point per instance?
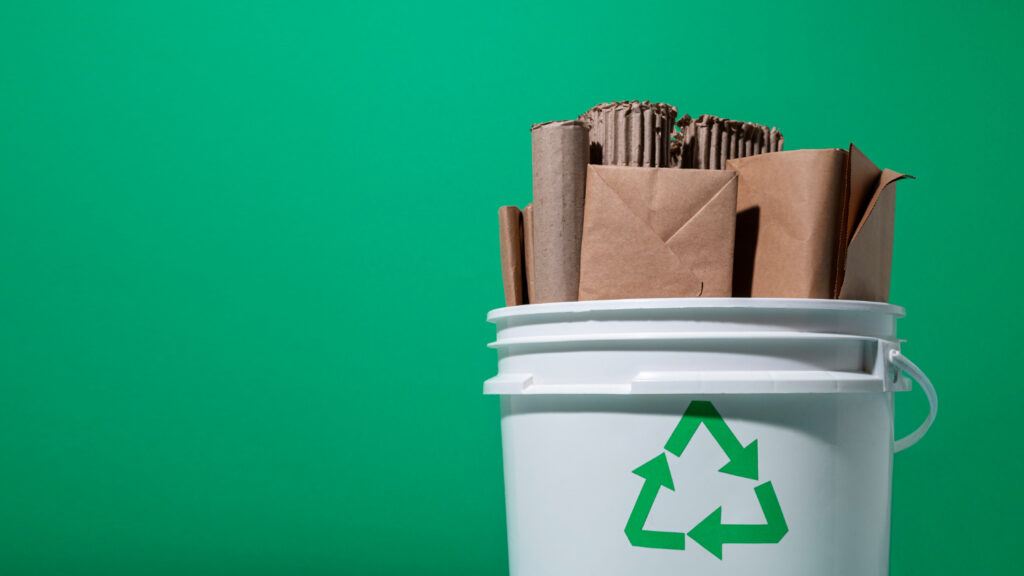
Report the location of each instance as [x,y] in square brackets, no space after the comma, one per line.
[732,304]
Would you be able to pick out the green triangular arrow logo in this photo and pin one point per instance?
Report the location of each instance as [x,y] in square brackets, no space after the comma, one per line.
[710,532]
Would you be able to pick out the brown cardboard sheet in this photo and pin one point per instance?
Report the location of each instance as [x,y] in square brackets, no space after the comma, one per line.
[510,233]
[657,233]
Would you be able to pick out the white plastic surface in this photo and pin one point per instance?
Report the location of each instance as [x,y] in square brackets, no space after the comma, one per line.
[570,486]
[592,390]
[696,345]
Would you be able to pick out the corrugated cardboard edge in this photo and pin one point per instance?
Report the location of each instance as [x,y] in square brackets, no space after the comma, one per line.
[630,133]
[708,142]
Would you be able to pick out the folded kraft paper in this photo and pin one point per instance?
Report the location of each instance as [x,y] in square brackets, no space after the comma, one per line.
[814,224]
[657,233]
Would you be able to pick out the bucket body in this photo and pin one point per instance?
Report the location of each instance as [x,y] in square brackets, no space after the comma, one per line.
[698,436]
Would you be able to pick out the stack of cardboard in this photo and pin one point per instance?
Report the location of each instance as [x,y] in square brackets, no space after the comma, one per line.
[623,210]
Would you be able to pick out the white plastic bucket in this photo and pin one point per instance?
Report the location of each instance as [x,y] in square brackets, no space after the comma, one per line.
[700,436]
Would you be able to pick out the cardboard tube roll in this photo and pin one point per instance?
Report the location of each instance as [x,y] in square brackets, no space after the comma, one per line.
[618,142]
[560,154]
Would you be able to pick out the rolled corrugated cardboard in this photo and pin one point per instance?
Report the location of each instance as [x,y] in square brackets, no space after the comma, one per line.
[630,133]
[709,142]
[560,154]
[617,143]
[716,140]
[736,129]
[703,147]
[510,234]
[650,141]
[723,146]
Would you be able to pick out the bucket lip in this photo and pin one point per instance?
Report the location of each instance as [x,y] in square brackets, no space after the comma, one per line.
[647,304]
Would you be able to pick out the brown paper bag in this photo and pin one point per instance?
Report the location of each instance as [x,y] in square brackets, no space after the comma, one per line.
[787,218]
[657,233]
[813,224]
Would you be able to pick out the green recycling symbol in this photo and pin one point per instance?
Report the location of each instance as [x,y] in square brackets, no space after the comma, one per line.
[710,532]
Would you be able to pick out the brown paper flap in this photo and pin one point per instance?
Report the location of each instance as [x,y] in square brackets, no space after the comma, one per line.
[665,200]
[868,269]
[862,183]
[510,233]
[859,188]
[887,177]
[632,213]
[869,257]
[700,242]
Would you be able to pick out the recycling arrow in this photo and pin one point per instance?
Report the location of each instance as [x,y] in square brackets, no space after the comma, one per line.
[742,459]
[655,474]
[711,533]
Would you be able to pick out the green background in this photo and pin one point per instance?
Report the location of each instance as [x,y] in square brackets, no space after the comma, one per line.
[247,248]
